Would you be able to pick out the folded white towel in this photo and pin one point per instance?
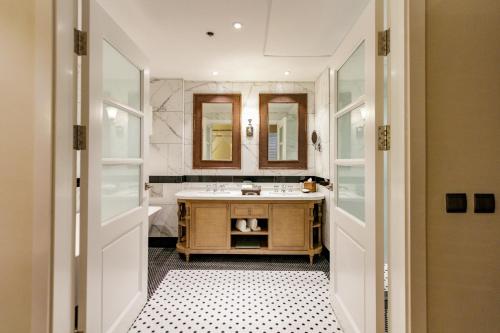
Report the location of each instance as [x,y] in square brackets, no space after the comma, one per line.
[241,225]
[253,224]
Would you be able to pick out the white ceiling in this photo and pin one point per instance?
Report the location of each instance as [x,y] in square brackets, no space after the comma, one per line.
[277,36]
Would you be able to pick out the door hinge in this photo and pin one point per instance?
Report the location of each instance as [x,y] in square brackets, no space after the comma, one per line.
[80,42]
[79,137]
[384,137]
[384,42]
[76,330]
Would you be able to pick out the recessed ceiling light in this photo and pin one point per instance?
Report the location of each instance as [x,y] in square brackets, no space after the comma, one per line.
[215,73]
[287,73]
[237,25]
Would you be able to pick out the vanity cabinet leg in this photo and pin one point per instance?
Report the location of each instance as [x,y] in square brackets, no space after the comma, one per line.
[311,259]
[187,257]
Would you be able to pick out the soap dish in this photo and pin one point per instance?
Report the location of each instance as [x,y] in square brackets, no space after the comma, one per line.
[305,190]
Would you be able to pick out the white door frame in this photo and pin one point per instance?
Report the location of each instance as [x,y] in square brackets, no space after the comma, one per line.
[63,249]
[408,35]
[414,44]
[407,173]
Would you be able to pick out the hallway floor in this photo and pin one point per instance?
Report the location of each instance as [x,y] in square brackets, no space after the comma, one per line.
[236,294]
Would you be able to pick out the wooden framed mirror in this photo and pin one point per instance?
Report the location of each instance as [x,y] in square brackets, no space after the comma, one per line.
[216,131]
[283,131]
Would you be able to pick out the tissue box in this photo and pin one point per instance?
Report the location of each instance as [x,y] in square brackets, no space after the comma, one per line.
[311,186]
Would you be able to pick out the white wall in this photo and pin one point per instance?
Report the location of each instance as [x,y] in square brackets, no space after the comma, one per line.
[322,158]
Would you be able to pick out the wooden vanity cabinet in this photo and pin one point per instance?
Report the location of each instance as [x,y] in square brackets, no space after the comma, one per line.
[209,226]
[287,227]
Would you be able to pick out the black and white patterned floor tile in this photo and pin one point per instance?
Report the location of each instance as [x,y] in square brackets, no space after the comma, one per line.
[239,301]
[163,260]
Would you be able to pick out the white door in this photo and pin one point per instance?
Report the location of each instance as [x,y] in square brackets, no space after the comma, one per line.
[114,225]
[357,219]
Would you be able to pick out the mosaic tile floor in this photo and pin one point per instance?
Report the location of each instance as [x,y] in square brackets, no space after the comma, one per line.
[165,260]
[162,260]
[239,301]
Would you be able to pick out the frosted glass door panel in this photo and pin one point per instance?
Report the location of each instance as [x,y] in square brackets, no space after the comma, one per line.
[120,190]
[351,134]
[121,79]
[121,134]
[351,78]
[351,190]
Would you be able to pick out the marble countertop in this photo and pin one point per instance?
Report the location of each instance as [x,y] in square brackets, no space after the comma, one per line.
[236,195]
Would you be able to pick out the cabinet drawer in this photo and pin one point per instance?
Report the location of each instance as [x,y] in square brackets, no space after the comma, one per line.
[249,210]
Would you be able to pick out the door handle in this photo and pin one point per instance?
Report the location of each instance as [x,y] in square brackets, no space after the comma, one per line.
[147,186]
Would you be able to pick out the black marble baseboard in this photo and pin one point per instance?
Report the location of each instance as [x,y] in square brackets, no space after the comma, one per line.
[229,179]
[325,253]
[165,242]
[232,179]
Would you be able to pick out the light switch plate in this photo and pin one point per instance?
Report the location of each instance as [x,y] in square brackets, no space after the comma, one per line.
[484,203]
[456,202]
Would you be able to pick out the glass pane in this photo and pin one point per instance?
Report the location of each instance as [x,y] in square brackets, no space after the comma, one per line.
[217,135]
[351,134]
[351,78]
[121,79]
[121,134]
[351,190]
[283,132]
[120,189]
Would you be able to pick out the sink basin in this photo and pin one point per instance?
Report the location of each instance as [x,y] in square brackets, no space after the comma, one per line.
[216,193]
[285,194]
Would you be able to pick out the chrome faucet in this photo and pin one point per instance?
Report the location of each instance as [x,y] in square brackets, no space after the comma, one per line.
[212,188]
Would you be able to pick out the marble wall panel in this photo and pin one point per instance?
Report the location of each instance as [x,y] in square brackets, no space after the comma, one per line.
[171,143]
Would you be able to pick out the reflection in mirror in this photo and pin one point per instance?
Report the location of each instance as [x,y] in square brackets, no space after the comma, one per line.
[121,79]
[351,133]
[216,131]
[283,131]
[351,79]
[217,135]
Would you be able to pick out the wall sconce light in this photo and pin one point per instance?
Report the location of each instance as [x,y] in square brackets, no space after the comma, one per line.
[316,141]
[249,128]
